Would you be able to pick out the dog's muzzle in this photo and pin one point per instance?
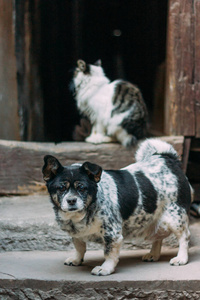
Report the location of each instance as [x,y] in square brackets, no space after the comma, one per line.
[72,204]
[69,204]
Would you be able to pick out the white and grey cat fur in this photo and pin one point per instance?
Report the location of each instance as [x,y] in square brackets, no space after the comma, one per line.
[115,109]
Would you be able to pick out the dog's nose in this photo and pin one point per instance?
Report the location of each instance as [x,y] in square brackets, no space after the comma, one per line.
[71,201]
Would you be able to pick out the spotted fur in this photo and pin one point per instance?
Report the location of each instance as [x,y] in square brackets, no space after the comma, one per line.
[116,109]
[149,199]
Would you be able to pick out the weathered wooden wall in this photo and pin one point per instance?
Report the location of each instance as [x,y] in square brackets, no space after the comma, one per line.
[9,119]
[197,64]
[21,162]
[21,101]
[183,65]
[28,47]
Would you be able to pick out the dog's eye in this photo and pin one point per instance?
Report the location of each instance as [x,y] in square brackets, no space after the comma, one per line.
[62,188]
[81,188]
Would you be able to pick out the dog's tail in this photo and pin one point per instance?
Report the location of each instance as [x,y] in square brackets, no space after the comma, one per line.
[155,147]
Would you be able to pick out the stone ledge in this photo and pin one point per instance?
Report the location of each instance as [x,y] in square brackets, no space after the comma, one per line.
[42,275]
[28,223]
[21,162]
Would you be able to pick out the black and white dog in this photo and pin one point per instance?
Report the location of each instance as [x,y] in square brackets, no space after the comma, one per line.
[148,199]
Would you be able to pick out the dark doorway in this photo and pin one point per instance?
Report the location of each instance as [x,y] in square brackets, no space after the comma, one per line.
[129,36]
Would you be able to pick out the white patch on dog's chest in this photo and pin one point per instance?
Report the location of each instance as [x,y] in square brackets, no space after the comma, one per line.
[90,229]
[79,228]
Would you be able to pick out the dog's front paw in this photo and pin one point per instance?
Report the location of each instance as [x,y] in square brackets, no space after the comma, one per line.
[150,257]
[100,271]
[71,261]
[178,261]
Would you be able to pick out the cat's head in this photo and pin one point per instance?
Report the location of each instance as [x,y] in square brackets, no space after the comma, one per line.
[83,69]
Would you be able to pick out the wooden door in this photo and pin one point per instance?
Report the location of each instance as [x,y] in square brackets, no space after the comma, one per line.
[182,98]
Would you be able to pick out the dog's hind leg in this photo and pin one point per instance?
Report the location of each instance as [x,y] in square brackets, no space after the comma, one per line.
[77,259]
[112,249]
[183,237]
[154,254]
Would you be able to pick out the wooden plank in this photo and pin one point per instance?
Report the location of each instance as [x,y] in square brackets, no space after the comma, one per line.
[159,92]
[179,98]
[171,101]
[8,84]
[197,64]
[27,24]
[196,187]
[21,162]
[186,152]
[36,122]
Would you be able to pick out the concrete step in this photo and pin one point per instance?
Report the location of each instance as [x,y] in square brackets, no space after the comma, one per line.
[42,275]
[28,223]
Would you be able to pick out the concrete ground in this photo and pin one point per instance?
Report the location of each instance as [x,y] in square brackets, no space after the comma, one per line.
[49,266]
[37,270]
[28,223]
[42,275]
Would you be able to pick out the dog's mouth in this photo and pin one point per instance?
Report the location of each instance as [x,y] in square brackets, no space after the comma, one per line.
[73,209]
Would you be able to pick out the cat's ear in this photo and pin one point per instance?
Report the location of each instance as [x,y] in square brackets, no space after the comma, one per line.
[81,65]
[98,63]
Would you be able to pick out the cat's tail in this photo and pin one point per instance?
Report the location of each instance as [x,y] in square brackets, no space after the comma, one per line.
[155,147]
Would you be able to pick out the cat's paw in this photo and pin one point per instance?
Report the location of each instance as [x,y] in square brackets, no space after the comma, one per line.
[101,271]
[129,141]
[98,139]
[71,261]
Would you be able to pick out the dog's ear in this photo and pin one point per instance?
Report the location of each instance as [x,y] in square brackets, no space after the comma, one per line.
[51,167]
[81,65]
[98,63]
[93,171]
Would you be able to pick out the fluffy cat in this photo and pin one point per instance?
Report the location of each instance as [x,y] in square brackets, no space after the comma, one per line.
[115,109]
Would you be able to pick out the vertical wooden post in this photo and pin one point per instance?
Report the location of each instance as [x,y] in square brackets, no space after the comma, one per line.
[180,96]
[197,64]
[186,152]
[36,126]
[9,118]
[27,45]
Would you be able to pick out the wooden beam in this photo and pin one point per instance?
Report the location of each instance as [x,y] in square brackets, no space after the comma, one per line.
[197,65]
[179,98]
[21,162]
[27,25]
[186,152]
[9,118]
